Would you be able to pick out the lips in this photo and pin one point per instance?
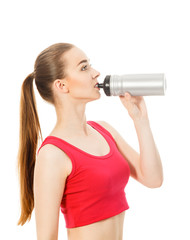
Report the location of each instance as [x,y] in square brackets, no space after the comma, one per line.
[96,85]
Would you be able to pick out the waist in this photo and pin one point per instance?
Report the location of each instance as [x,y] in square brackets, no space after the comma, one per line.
[110,228]
[93,209]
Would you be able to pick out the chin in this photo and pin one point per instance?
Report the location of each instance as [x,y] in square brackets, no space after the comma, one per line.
[98,95]
[95,97]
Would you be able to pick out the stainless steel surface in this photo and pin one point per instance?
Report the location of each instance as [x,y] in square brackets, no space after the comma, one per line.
[138,84]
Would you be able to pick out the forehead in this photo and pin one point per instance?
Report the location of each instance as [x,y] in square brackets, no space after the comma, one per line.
[74,56]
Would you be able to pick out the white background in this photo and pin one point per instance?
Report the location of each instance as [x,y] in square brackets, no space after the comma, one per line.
[120,37]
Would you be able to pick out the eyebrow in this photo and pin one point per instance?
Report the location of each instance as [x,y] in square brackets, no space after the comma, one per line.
[83,61]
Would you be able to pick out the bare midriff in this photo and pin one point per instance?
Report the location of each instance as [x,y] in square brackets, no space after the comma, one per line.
[107,229]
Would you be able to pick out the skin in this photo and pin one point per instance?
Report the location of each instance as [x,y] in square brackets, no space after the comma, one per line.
[53,166]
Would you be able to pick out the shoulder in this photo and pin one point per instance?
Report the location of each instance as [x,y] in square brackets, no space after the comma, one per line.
[53,158]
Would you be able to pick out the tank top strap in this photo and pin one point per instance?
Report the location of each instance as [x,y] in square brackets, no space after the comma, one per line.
[58,143]
[68,148]
[100,128]
[64,147]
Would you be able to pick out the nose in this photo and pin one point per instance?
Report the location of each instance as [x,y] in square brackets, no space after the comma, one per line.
[95,73]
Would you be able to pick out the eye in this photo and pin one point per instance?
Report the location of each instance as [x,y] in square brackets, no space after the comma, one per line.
[85,67]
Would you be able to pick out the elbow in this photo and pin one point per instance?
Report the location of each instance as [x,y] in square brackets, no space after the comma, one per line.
[160,182]
[155,180]
[155,184]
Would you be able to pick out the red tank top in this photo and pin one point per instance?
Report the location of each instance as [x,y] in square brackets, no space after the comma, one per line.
[95,188]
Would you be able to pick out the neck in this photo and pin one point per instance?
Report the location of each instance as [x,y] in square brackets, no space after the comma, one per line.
[71,119]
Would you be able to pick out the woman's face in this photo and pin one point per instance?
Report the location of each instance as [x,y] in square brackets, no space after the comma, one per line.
[81,78]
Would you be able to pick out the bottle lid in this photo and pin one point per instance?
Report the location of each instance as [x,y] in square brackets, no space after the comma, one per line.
[107,85]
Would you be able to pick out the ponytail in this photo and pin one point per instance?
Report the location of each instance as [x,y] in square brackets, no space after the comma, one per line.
[49,65]
[30,132]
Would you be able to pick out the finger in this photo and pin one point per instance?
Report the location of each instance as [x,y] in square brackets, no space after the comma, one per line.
[136,99]
[127,96]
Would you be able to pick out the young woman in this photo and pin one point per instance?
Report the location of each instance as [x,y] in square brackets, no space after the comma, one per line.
[82,166]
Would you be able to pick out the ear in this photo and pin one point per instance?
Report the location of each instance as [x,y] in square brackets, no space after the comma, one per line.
[61,85]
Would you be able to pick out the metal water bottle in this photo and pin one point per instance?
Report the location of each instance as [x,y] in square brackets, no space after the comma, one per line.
[135,84]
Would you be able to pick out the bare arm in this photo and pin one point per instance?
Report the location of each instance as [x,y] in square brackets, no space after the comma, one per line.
[49,181]
[149,159]
[145,167]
